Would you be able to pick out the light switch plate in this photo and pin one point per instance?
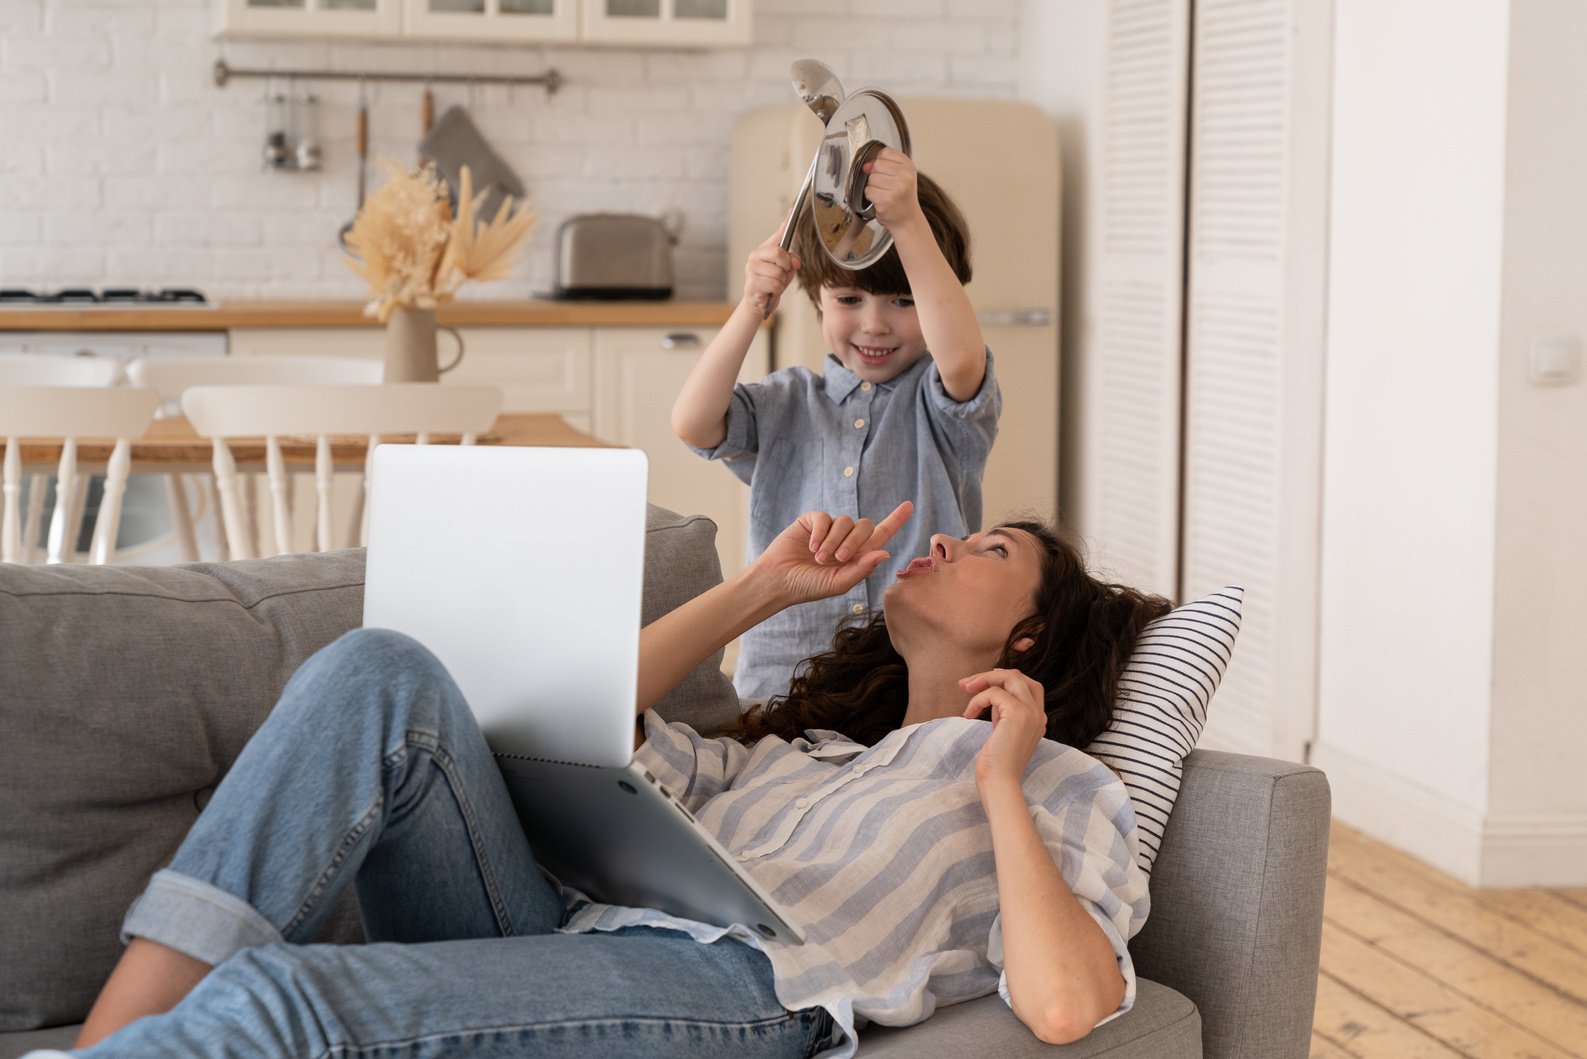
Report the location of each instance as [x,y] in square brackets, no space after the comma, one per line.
[1556,361]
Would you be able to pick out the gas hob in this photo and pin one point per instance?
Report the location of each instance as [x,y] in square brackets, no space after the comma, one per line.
[101,298]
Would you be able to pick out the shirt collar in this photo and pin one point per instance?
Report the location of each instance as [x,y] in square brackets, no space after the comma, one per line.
[838,382]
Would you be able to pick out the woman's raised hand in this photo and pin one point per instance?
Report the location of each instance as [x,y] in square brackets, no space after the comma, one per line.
[820,556]
[1014,703]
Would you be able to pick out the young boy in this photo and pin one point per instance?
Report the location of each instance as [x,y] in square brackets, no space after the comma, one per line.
[906,410]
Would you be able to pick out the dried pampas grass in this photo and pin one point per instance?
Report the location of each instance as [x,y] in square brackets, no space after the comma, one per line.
[413,252]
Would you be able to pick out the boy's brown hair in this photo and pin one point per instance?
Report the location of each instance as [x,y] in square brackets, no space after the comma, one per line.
[886,276]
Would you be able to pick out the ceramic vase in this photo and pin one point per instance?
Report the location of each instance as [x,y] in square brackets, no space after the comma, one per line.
[410,346]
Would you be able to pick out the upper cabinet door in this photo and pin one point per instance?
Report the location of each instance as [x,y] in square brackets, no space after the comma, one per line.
[492,20]
[310,18]
[674,22]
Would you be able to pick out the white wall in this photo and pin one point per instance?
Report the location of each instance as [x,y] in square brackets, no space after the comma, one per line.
[1412,419]
[1060,70]
[1538,785]
[124,163]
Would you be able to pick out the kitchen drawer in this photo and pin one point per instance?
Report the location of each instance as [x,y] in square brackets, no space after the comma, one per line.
[540,369]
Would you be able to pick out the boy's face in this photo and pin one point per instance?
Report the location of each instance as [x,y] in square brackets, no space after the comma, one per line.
[876,336]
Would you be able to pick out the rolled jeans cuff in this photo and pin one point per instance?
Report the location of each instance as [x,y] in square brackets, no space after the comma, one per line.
[196,918]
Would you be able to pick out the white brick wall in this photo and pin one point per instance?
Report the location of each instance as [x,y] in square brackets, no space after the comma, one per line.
[122,163]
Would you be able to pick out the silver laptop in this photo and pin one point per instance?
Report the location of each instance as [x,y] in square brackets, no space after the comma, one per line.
[521,569]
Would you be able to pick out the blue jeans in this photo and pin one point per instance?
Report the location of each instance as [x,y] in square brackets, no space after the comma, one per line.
[372,772]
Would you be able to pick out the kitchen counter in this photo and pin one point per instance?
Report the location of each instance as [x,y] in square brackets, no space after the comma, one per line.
[227,315]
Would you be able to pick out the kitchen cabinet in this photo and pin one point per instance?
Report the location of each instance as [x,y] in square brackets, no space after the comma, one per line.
[678,23]
[309,18]
[540,369]
[638,373]
[616,383]
[493,20]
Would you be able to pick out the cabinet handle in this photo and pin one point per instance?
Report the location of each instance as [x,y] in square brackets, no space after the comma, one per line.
[680,340]
[1017,318]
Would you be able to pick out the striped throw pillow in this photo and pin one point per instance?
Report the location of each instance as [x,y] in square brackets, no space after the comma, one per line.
[1162,706]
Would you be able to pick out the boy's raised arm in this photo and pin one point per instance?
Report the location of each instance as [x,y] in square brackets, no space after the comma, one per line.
[947,318]
[699,415]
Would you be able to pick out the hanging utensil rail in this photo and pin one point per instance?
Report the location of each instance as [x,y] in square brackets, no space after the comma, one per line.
[551,79]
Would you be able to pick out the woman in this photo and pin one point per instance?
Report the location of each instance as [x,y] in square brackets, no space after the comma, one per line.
[920,859]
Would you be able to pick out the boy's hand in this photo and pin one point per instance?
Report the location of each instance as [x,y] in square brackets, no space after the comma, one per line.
[767,274]
[890,185]
[820,556]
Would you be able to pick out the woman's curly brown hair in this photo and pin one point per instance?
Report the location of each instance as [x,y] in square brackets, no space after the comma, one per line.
[1083,631]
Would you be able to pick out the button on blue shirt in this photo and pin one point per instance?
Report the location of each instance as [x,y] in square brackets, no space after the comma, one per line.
[835,443]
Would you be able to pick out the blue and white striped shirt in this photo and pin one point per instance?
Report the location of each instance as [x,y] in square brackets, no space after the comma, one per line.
[884,857]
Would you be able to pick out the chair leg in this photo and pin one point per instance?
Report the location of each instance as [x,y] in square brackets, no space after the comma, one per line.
[238,540]
[182,517]
[35,516]
[62,541]
[323,472]
[107,524]
[11,491]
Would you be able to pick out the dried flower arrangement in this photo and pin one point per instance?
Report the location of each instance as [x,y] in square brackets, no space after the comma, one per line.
[413,252]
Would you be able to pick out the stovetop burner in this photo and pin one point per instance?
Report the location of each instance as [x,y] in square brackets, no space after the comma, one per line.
[89,297]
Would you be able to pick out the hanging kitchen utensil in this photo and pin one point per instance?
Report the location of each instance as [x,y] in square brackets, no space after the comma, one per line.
[821,91]
[277,155]
[426,118]
[306,131]
[363,161]
[866,122]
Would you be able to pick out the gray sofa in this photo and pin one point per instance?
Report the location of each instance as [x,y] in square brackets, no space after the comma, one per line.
[126,692]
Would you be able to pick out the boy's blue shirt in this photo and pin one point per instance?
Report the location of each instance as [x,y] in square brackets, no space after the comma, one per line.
[793,435]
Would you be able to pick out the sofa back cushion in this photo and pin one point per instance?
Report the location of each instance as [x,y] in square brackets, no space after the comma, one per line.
[126,693]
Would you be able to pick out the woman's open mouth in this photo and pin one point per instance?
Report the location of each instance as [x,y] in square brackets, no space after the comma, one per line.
[923,565]
[872,354]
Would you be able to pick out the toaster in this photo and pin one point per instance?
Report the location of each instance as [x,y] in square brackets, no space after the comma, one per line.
[614,255]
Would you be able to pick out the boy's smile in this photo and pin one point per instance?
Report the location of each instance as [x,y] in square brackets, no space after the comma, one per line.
[876,336]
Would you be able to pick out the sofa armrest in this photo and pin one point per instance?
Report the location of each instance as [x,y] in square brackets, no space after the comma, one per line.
[1237,893]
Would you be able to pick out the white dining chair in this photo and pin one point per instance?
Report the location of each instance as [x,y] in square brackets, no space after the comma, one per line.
[68,413]
[421,409]
[38,369]
[173,375]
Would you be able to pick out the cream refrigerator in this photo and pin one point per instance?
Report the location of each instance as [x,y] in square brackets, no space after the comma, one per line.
[999,161]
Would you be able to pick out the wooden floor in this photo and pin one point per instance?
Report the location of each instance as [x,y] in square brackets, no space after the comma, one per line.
[1415,964]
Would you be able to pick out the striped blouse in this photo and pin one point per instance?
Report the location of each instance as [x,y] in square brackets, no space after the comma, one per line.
[884,856]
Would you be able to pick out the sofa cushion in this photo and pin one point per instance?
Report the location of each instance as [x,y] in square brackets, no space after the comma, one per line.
[1164,692]
[1161,1025]
[126,693]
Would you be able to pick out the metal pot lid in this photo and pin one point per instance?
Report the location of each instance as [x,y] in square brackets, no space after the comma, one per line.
[867,121]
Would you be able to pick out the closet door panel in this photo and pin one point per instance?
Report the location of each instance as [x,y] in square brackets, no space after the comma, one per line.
[1142,280]
[1256,256]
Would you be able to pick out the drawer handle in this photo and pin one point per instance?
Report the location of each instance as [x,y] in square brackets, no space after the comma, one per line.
[1017,318]
[680,340]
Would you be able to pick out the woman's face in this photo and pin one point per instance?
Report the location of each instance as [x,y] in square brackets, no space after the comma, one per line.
[973,591]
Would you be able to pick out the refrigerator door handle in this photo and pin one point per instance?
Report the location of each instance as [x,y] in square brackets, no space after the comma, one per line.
[1016,317]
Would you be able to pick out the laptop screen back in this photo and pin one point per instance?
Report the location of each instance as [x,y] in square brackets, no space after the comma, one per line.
[521,569]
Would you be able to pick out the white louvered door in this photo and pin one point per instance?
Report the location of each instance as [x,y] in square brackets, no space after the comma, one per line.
[1254,347]
[1140,307]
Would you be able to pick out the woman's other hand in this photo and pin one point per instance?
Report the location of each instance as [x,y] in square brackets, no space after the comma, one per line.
[767,273]
[1013,703]
[820,556]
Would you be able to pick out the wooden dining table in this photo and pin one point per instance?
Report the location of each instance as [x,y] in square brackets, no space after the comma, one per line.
[171,445]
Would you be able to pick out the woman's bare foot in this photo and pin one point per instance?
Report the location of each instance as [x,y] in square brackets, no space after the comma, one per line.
[149,979]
